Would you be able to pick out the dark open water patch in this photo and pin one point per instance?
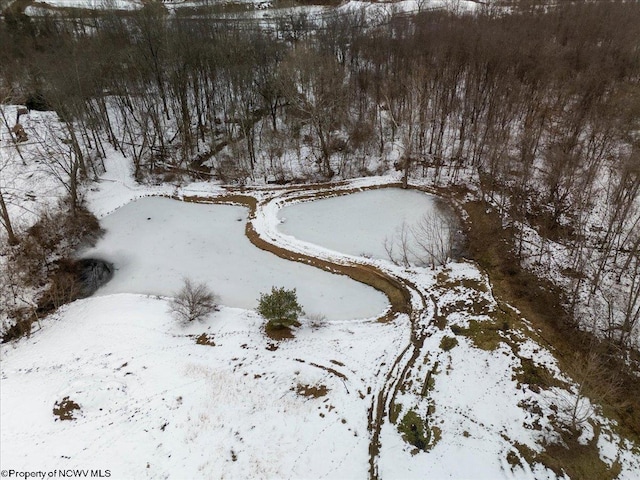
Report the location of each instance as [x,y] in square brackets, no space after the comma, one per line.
[72,280]
[92,274]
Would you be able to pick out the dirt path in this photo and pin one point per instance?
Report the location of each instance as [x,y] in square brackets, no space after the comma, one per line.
[404,296]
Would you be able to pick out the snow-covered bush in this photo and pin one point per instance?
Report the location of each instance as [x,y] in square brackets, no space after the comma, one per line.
[193,302]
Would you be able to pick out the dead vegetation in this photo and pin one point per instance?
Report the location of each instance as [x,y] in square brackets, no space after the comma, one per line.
[277,334]
[571,458]
[206,339]
[485,335]
[193,302]
[543,305]
[312,391]
[40,275]
[66,409]
[536,376]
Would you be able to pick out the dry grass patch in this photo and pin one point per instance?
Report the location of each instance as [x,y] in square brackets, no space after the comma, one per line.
[536,376]
[484,335]
[579,462]
[313,391]
[205,339]
[394,412]
[445,281]
[65,409]
[447,343]
[277,334]
[542,304]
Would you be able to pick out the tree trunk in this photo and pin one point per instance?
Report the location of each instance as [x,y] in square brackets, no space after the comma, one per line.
[6,222]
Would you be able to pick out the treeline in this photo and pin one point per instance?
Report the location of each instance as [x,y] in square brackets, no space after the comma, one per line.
[541,108]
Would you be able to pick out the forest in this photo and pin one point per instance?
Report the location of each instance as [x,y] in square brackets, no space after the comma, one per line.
[536,112]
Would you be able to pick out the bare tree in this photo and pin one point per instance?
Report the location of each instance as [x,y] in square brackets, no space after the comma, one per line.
[193,302]
[6,221]
[398,247]
[428,242]
[5,218]
[593,383]
[59,156]
[434,238]
[314,85]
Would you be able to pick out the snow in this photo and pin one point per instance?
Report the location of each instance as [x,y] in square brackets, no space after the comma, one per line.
[477,402]
[28,188]
[154,404]
[409,6]
[155,242]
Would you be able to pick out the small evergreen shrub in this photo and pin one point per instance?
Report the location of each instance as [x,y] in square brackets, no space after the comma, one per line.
[280,308]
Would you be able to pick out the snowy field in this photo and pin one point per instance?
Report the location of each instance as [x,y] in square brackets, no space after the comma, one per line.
[155,404]
[155,242]
[360,223]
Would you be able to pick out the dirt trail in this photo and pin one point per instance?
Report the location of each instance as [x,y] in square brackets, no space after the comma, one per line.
[404,296]
[487,244]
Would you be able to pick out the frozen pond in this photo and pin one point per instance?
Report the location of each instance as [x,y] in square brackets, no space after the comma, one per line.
[372,223]
[154,242]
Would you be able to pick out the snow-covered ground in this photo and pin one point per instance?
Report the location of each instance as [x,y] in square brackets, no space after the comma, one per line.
[408,6]
[155,404]
[30,186]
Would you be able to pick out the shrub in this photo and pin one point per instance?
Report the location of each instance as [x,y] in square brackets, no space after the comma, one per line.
[447,343]
[280,308]
[64,287]
[41,263]
[65,409]
[21,326]
[193,302]
[414,431]
[55,236]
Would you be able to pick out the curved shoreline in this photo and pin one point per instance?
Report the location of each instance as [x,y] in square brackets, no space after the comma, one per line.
[398,295]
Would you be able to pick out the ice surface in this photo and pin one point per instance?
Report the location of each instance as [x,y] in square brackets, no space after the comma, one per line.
[154,242]
[359,223]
